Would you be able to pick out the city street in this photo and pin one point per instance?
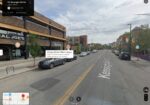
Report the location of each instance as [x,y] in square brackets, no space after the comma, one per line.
[99,79]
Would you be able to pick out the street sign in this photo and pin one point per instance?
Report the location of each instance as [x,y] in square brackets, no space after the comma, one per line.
[137,47]
[1,52]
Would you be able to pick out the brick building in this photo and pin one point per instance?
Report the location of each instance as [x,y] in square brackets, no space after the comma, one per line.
[50,34]
[78,41]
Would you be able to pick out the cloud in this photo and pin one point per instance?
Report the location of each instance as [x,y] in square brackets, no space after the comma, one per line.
[102,20]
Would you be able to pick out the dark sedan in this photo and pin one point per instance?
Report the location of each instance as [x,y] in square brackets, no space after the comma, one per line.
[71,59]
[50,63]
[124,56]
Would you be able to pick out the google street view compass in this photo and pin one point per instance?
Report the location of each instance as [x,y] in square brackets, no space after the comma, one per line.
[75,100]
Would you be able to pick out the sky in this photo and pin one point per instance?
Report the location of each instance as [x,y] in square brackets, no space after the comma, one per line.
[102,20]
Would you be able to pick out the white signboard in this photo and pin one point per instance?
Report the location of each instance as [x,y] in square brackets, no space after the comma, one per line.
[1,52]
[59,54]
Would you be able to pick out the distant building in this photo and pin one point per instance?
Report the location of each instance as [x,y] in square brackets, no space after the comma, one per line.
[77,42]
[74,40]
[83,40]
[122,42]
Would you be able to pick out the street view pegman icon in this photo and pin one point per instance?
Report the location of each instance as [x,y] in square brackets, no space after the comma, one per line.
[145,90]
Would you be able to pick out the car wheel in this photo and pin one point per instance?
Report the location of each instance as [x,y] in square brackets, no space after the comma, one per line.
[51,66]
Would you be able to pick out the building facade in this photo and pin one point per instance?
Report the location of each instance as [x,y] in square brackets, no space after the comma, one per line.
[78,42]
[13,29]
[83,40]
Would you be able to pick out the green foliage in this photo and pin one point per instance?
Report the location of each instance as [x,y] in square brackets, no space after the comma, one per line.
[78,49]
[34,47]
[35,50]
[144,40]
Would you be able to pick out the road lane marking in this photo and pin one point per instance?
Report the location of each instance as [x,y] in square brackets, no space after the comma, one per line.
[62,100]
[104,76]
[106,70]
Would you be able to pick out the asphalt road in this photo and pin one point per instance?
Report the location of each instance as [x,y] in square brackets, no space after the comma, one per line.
[99,79]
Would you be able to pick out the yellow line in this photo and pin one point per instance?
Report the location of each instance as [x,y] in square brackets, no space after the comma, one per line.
[72,88]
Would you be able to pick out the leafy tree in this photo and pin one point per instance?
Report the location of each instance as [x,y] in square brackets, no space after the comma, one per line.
[143,40]
[78,49]
[34,47]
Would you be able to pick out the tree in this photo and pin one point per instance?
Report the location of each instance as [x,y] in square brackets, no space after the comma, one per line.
[144,40]
[78,49]
[34,47]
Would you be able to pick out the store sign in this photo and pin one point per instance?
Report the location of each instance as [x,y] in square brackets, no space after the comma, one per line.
[1,52]
[59,54]
[56,43]
[11,36]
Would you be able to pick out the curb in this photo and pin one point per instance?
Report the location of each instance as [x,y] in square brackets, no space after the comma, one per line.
[17,73]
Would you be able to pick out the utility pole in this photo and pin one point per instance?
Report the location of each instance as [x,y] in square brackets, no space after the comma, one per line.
[130,41]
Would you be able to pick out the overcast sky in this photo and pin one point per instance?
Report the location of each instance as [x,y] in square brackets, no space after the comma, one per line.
[102,20]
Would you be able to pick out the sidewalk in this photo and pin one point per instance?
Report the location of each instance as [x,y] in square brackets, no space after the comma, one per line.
[141,63]
[139,60]
[9,68]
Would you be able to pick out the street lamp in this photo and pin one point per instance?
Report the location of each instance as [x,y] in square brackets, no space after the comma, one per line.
[130,39]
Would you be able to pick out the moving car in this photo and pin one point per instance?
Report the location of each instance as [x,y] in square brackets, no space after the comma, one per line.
[124,55]
[71,59]
[83,54]
[50,63]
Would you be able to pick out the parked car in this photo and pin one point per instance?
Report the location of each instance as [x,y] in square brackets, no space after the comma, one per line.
[83,54]
[116,52]
[50,63]
[94,51]
[124,55]
[71,59]
[113,51]
[88,52]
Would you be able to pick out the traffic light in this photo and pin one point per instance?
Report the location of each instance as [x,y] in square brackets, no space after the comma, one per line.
[145,1]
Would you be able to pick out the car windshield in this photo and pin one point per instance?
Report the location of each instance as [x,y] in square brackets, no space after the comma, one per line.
[74,52]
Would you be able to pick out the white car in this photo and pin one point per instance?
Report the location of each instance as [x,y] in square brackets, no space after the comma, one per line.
[83,54]
[94,51]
